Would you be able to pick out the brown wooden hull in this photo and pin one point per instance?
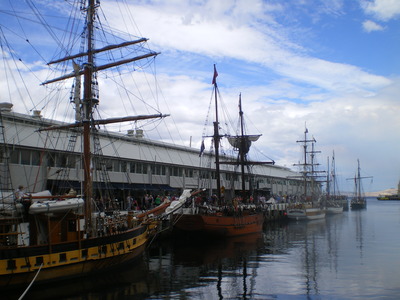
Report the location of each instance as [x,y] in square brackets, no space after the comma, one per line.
[220,225]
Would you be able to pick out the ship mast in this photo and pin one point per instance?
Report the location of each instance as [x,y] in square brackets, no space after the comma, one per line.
[216,137]
[305,164]
[90,100]
[358,193]
[87,116]
[243,145]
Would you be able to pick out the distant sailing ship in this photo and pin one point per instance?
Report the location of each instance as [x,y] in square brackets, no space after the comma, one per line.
[224,217]
[334,201]
[310,206]
[44,237]
[358,201]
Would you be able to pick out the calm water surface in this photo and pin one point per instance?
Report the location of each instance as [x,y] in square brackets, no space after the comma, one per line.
[355,255]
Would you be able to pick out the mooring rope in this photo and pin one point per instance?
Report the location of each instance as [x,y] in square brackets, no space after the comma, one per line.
[29,286]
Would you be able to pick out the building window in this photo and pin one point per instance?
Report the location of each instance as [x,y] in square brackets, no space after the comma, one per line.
[25,157]
[116,166]
[72,161]
[153,169]
[35,158]
[204,174]
[189,172]
[14,157]
[108,164]
[61,160]
[143,168]
[177,171]
[158,170]
[50,160]
[124,166]
[132,167]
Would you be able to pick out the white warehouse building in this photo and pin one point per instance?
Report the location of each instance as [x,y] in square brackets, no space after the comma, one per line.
[41,160]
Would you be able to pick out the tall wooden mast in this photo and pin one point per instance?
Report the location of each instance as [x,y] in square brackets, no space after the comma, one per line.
[87,115]
[89,101]
[243,142]
[305,163]
[216,136]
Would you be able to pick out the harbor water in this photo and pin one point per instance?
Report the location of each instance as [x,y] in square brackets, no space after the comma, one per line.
[354,255]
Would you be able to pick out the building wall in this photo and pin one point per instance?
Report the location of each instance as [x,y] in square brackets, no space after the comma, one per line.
[138,160]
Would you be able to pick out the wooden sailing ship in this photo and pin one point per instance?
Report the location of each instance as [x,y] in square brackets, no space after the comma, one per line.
[358,200]
[45,237]
[310,206]
[224,217]
[334,201]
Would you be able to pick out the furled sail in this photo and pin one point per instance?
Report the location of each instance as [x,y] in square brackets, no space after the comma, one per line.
[243,143]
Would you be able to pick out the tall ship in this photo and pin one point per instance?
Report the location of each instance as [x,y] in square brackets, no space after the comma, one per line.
[335,202]
[81,229]
[309,205]
[358,201]
[224,213]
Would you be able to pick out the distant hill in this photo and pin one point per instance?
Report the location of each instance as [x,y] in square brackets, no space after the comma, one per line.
[384,192]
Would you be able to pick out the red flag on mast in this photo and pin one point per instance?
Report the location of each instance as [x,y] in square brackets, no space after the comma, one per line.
[214,81]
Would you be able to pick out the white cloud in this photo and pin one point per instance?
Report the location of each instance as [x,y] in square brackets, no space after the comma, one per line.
[384,10]
[230,36]
[370,26]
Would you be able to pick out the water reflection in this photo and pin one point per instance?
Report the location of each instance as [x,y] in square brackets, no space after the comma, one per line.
[348,256]
[132,279]
[359,230]
[308,236]
[230,265]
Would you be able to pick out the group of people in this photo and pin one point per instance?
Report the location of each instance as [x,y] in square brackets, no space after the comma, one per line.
[146,202]
[130,203]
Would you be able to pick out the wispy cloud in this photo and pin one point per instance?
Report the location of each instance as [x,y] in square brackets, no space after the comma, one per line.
[370,26]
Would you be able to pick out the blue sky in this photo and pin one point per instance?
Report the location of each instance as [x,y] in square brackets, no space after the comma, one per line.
[333,65]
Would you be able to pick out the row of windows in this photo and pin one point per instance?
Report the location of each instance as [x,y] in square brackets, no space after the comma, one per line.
[63,160]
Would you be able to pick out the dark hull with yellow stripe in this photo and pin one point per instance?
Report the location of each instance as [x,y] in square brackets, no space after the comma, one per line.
[19,265]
